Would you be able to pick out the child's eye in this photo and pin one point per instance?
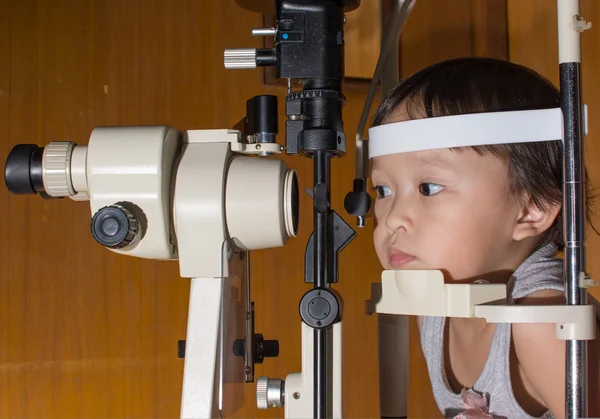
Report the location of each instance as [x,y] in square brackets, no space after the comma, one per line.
[383,191]
[430,188]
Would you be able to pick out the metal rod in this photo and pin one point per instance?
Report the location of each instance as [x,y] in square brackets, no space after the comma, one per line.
[390,37]
[321,163]
[322,187]
[569,46]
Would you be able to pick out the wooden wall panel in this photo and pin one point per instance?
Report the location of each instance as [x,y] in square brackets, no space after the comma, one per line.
[88,333]
[363,37]
[438,31]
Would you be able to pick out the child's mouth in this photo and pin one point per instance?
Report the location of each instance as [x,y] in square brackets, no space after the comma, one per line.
[399,259]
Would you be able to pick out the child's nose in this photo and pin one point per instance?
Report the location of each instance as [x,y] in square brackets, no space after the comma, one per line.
[399,218]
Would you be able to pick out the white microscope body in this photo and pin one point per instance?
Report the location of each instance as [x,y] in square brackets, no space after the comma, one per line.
[202,197]
[205,198]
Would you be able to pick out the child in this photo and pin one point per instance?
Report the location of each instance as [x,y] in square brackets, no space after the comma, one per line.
[485,213]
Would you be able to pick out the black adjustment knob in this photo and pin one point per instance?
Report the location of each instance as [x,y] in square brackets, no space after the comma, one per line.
[271,348]
[239,347]
[264,348]
[358,202]
[181,349]
[114,226]
[320,307]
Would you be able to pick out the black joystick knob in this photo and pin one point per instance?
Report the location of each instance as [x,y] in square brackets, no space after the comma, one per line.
[358,202]
[23,170]
[114,226]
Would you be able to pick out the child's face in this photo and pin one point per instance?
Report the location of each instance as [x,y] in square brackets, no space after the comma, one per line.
[443,209]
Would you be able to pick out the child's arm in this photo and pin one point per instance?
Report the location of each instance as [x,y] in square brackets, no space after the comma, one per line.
[542,357]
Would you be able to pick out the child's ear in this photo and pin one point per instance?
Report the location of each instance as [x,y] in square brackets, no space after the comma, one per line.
[533,221]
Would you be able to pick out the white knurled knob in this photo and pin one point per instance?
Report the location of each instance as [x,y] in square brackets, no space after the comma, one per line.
[240,58]
[261,393]
[56,168]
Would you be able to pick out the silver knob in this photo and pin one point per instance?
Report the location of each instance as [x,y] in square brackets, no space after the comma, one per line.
[270,392]
[361,221]
[264,32]
[240,58]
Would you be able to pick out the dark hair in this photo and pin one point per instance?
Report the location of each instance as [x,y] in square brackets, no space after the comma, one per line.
[472,85]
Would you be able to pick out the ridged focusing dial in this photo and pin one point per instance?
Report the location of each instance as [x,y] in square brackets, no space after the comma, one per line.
[269,392]
[240,58]
[115,226]
[56,166]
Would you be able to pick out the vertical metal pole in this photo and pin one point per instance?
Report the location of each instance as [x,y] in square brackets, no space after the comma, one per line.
[569,51]
[322,181]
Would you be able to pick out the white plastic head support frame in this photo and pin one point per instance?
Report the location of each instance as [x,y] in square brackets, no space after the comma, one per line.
[407,292]
[467,130]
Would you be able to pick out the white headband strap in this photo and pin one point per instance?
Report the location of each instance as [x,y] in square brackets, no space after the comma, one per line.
[467,130]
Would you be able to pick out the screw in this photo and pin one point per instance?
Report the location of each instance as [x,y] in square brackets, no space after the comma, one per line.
[248,370]
[247,315]
[296,395]
[258,146]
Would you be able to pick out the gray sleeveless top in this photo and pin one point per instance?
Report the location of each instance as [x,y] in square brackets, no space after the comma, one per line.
[540,271]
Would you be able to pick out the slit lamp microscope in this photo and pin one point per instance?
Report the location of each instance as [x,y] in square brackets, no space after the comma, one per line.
[159,193]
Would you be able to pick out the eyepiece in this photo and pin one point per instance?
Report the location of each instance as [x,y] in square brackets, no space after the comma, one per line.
[23,170]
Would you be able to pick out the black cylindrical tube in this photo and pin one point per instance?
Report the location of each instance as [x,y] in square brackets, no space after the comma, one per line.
[266,57]
[262,115]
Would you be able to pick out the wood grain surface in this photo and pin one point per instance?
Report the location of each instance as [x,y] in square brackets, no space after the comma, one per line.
[88,333]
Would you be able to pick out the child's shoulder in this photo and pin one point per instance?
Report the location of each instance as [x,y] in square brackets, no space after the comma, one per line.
[540,354]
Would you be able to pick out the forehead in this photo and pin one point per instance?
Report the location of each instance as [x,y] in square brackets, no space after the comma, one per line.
[441,158]
[465,163]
